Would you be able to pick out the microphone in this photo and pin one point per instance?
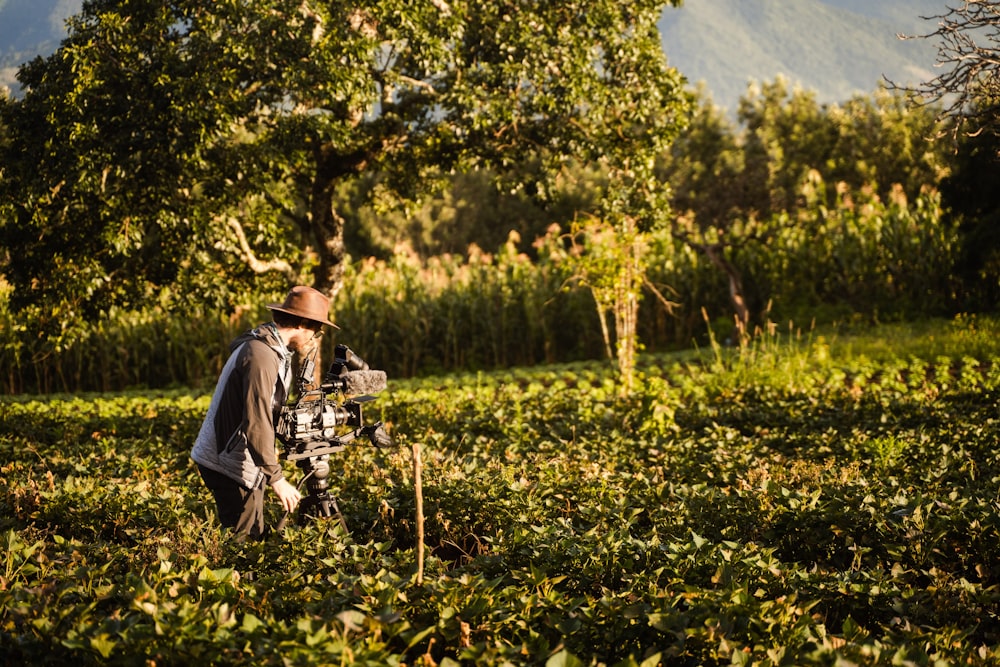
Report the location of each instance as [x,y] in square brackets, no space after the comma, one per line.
[363,382]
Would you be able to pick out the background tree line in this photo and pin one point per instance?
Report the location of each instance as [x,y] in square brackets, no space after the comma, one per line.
[464,158]
[476,277]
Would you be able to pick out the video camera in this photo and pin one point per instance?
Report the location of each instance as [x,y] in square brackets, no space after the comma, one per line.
[324,420]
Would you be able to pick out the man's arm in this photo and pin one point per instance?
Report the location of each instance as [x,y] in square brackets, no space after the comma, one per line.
[259,380]
[260,383]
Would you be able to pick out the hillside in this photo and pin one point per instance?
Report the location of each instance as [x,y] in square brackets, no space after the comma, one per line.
[834,47]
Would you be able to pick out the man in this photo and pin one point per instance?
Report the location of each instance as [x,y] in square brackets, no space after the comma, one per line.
[235,449]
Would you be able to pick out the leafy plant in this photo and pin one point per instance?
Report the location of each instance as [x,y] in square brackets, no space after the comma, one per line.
[839,505]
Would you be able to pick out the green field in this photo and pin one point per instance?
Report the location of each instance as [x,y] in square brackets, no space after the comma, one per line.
[827,499]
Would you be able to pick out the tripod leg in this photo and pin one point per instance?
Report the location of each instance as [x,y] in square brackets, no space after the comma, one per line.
[340,517]
[323,506]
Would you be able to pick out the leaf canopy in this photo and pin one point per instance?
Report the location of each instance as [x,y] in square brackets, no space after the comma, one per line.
[194,147]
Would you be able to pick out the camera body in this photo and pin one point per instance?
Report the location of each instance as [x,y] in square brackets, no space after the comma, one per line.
[315,423]
[325,419]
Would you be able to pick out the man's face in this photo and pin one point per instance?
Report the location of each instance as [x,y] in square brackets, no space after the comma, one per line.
[306,336]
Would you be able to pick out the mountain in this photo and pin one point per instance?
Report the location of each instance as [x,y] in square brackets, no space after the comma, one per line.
[836,48]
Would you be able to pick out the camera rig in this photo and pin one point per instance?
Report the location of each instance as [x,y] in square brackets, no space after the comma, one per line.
[325,419]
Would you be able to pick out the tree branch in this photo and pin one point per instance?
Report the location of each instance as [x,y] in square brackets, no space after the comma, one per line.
[255,264]
[664,301]
[968,53]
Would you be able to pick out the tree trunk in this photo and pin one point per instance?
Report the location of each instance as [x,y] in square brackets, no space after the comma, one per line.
[328,230]
[327,227]
[326,224]
[736,296]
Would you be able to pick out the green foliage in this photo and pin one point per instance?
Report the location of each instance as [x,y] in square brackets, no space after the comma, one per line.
[968,195]
[864,259]
[471,210]
[481,311]
[610,261]
[723,172]
[151,348]
[750,196]
[197,148]
[858,253]
[803,500]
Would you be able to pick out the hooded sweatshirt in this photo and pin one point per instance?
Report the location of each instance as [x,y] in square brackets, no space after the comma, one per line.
[237,437]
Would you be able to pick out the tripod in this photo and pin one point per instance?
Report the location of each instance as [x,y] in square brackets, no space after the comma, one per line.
[317,503]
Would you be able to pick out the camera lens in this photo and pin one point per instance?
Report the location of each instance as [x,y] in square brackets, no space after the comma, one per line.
[351,361]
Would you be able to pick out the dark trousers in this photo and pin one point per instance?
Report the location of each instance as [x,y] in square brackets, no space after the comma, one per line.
[240,509]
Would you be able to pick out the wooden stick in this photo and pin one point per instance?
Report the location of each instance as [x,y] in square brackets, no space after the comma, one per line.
[419,493]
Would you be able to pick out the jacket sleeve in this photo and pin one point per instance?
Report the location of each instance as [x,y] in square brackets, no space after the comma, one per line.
[260,379]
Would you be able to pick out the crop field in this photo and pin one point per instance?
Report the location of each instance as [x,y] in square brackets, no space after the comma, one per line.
[806,500]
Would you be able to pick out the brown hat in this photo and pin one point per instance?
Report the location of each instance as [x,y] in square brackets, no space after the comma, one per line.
[307,303]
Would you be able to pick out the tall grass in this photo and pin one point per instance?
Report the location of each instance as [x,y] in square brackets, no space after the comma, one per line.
[479,311]
[792,359]
[132,349]
[780,356]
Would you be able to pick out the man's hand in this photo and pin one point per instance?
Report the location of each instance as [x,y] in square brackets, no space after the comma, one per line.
[287,494]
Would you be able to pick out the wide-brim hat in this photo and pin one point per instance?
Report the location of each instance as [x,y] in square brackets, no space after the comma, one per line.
[306,302]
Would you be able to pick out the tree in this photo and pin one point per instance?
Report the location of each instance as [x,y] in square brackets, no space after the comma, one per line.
[705,168]
[197,145]
[721,172]
[967,92]
[968,87]
[787,133]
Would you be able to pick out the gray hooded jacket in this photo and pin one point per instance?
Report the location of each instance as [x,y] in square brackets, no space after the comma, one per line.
[237,437]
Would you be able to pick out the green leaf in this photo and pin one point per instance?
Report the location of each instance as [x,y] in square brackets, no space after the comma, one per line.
[651,661]
[250,623]
[103,644]
[563,659]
